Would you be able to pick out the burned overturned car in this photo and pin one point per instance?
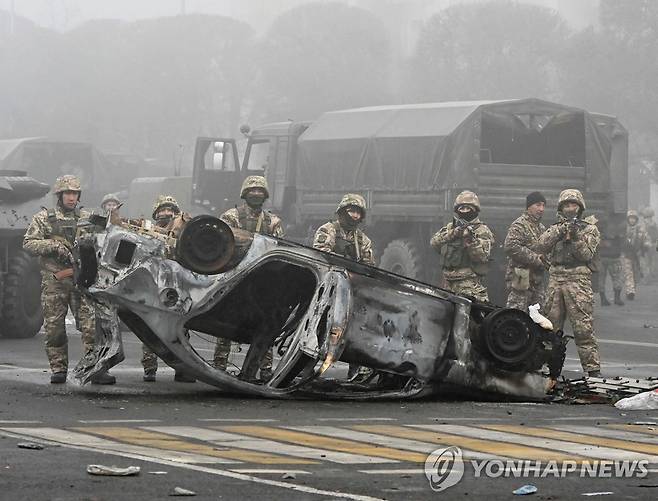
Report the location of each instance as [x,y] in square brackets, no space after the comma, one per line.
[314,308]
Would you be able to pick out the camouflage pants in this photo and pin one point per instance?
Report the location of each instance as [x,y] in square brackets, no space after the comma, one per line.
[611,266]
[647,264]
[223,351]
[522,299]
[471,286]
[150,359]
[572,296]
[631,274]
[57,296]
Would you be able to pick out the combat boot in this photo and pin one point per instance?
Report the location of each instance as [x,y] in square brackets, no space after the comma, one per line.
[630,296]
[58,378]
[149,377]
[618,300]
[266,375]
[594,373]
[604,300]
[103,378]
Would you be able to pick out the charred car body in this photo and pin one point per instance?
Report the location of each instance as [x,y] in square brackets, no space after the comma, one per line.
[315,308]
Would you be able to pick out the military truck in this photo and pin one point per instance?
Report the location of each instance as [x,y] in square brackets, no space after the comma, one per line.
[410,161]
[21,197]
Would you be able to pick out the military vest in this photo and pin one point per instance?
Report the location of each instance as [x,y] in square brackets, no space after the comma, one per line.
[254,225]
[64,228]
[563,255]
[346,248]
[456,256]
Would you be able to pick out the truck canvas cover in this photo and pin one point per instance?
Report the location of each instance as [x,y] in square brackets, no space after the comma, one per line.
[436,146]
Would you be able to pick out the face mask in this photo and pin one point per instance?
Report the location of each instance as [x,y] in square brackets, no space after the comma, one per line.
[467,216]
[254,200]
[163,221]
[570,213]
[346,220]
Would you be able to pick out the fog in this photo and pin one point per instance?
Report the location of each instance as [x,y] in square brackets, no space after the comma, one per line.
[147,77]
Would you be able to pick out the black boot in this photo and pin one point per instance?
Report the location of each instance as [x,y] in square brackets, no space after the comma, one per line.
[604,300]
[618,300]
[58,378]
[630,296]
[103,378]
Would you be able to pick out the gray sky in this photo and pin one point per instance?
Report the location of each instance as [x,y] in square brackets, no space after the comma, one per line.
[66,14]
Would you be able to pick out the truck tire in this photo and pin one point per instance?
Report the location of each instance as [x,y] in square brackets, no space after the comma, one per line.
[21,309]
[402,257]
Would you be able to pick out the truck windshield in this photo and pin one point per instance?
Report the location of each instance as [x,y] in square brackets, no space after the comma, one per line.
[259,155]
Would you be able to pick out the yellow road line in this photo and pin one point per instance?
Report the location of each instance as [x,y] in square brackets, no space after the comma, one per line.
[168,442]
[504,449]
[331,443]
[636,428]
[578,438]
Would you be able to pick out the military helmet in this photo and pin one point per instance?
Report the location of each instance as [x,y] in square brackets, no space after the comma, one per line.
[68,182]
[467,197]
[353,199]
[571,195]
[632,213]
[254,182]
[165,201]
[648,212]
[110,197]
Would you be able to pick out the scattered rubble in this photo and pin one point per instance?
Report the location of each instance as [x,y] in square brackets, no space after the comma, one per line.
[113,471]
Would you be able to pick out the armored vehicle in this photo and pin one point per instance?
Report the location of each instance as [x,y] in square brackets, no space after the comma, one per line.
[410,161]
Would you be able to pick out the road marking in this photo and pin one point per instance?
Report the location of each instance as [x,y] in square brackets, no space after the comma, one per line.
[240,441]
[467,419]
[110,421]
[579,418]
[611,443]
[599,431]
[163,441]
[241,420]
[629,343]
[214,471]
[444,435]
[635,428]
[271,472]
[410,471]
[66,438]
[331,443]
[517,436]
[20,422]
[356,419]
[385,440]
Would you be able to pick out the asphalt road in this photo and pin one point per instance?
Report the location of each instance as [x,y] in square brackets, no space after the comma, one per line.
[225,447]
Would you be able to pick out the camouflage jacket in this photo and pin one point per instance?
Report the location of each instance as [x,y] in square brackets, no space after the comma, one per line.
[246,218]
[464,257]
[332,237]
[637,240]
[50,233]
[652,228]
[571,250]
[520,242]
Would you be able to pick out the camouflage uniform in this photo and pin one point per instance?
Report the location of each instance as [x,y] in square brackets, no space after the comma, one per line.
[149,358]
[339,238]
[572,250]
[110,200]
[636,244]
[255,220]
[51,236]
[610,262]
[524,277]
[465,254]
[649,258]
[343,237]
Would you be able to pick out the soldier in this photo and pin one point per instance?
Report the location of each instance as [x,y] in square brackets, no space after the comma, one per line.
[571,245]
[252,217]
[344,237]
[635,245]
[465,246]
[610,260]
[51,236]
[165,209]
[110,202]
[651,229]
[525,267]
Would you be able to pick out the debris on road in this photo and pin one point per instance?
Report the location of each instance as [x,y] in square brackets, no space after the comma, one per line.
[30,445]
[113,471]
[288,476]
[640,402]
[608,493]
[179,491]
[525,490]
[157,472]
[593,390]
